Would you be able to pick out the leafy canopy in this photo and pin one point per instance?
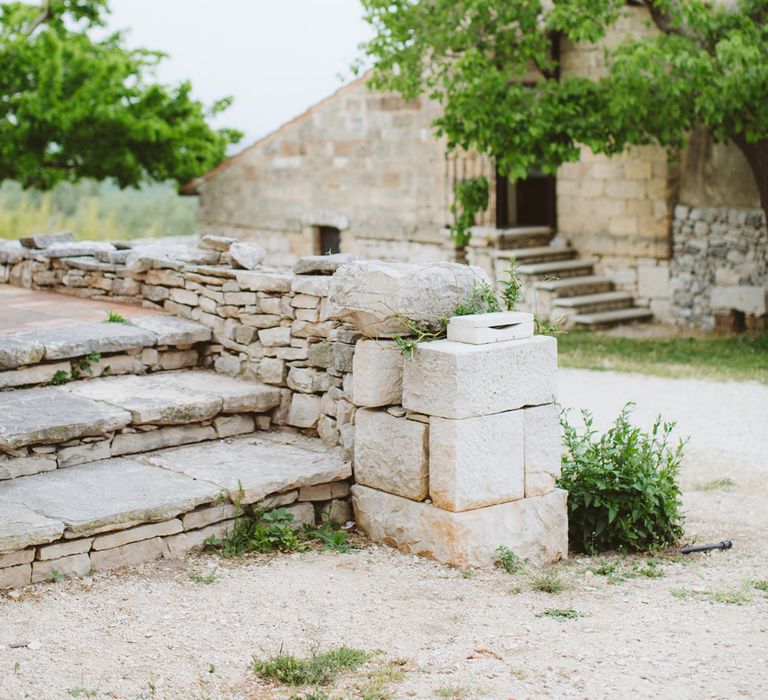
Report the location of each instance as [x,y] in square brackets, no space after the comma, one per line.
[75,103]
[493,66]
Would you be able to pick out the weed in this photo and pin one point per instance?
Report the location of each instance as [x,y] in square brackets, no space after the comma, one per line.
[650,569]
[731,597]
[548,583]
[211,668]
[512,287]
[56,576]
[84,365]
[114,317]
[319,669]
[724,484]
[623,487]
[761,585]
[205,579]
[560,613]
[378,680]
[453,691]
[514,590]
[332,539]
[468,573]
[60,377]
[508,560]
[256,531]
[682,593]
[82,693]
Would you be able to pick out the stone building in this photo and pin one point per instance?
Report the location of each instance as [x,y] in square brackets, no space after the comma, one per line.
[638,234]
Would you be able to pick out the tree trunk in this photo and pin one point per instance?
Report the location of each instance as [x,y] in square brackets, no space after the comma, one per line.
[757,156]
[460,254]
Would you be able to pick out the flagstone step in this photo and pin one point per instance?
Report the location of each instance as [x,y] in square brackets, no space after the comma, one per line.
[123,511]
[535,254]
[60,354]
[524,237]
[44,428]
[555,270]
[591,303]
[608,319]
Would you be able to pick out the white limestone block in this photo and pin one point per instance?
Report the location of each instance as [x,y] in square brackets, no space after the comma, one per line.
[533,528]
[543,440]
[479,329]
[377,373]
[74,566]
[458,380]
[304,411]
[476,462]
[391,454]
[375,297]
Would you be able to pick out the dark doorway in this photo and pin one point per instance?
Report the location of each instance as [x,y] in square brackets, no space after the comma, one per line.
[528,202]
[328,240]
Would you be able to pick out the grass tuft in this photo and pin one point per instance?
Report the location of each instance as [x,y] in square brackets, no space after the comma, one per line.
[560,613]
[548,583]
[318,669]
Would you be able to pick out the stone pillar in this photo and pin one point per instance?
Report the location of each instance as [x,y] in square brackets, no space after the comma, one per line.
[468,463]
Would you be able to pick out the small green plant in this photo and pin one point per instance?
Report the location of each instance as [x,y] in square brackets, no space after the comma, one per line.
[560,613]
[114,317]
[257,531]
[512,287]
[318,669]
[56,576]
[332,539]
[481,300]
[60,377]
[82,693]
[649,569]
[509,561]
[84,365]
[548,583]
[732,597]
[453,691]
[468,573]
[761,585]
[623,486]
[724,484]
[542,327]
[471,197]
[205,579]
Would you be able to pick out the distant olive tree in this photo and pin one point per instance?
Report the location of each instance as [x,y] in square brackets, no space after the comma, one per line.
[73,105]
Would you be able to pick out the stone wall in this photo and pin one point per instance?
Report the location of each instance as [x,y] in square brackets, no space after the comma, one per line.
[366,163]
[720,264]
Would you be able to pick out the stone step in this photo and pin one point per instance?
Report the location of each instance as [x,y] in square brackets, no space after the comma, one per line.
[42,429]
[608,319]
[576,286]
[124,511]
[538,254]
[555,270]
[591,303]
[60,354]
[524,237]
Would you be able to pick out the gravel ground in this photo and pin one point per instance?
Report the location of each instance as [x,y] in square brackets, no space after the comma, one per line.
[698,631]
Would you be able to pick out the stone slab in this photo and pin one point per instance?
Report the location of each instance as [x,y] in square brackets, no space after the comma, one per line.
[391,454]
[15,576]
[377,373]
[26,466]
[237,395]
[102,496]
[128,555]
[171,436]
[74,566]
[65,548]
[37,374]
[476,462]
[533,528]
[21,526]
[52,416]
[43,240]
[543,445]
[171,330]
[149,399]
[63,342]
[323,264]
[479,329]
[136,534]
[458,380]
[16,350]
[250,469]
[23,556]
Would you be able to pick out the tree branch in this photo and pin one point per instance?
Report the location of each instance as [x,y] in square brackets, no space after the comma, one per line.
[43,17]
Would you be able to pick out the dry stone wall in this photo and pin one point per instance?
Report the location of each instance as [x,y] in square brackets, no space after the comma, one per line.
[719,272]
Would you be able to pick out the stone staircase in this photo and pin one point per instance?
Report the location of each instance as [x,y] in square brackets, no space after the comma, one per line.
[100,471]
[560,286]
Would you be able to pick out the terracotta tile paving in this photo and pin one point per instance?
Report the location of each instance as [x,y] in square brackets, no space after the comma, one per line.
[28,309]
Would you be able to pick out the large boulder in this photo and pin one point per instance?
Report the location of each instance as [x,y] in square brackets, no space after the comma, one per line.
[379,298]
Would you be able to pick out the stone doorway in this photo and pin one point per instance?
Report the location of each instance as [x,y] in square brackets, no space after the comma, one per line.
[528,202]
[327,240]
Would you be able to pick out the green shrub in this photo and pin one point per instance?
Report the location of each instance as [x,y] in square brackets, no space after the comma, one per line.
[623,488]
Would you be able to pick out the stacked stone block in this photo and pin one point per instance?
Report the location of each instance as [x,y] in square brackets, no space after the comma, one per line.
[470,461]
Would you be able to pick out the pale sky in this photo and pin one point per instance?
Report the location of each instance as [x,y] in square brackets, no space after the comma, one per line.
[275,57]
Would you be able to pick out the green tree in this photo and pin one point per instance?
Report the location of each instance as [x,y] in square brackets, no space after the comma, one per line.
[492,65]
[74,104]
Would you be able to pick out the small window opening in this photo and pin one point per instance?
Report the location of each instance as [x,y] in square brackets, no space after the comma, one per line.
[328,240]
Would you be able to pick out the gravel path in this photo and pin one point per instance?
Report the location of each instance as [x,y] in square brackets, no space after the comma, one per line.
[153,633]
